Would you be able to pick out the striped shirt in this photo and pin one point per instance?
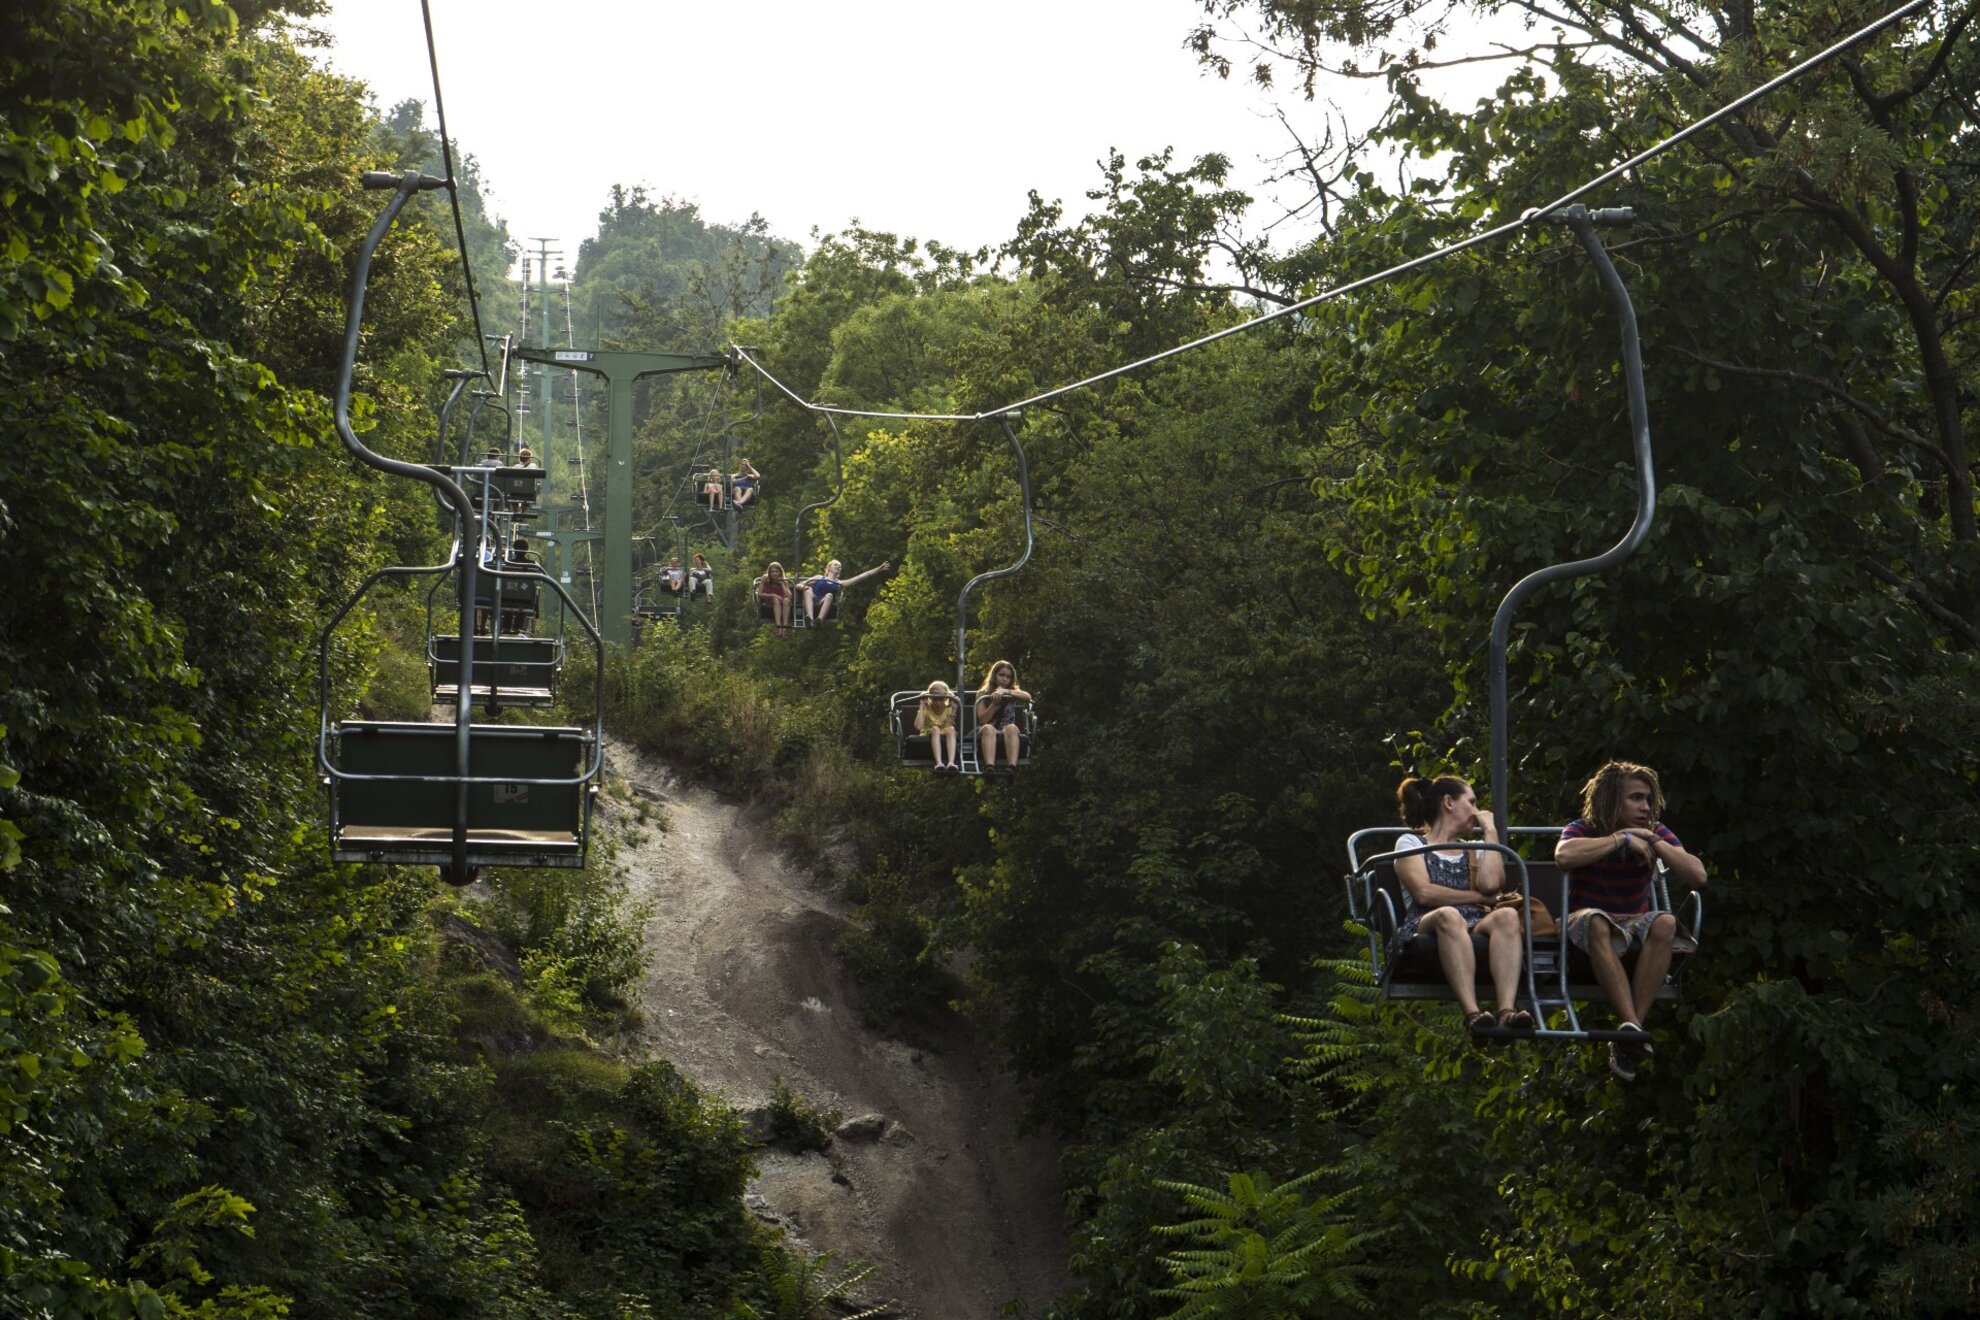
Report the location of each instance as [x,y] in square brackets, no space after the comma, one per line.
[1619,886]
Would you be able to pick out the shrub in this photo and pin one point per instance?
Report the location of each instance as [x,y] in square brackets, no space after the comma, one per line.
[794,1125]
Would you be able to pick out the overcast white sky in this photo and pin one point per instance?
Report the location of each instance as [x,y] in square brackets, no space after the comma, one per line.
[930,119]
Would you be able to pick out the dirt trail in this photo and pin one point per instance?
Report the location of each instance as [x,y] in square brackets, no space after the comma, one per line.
[742,988]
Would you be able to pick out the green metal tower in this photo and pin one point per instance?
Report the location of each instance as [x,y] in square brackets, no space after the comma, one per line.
[620,370]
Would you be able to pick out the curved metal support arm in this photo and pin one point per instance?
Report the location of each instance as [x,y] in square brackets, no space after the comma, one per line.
[962,601]
[1583,223]
[460,379]
[468,457]
[444,487]
[839,461]
[505,343]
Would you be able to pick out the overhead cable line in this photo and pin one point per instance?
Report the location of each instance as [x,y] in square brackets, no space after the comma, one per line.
[1530,217]
[577,428]
[453,185]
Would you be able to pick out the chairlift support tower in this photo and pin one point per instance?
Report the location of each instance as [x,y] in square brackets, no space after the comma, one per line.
[620,369]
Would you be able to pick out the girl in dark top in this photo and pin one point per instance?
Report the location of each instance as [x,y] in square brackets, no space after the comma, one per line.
[1449,894]
[999,714]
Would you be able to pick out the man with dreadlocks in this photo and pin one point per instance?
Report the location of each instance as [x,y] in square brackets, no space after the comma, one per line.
[1610,856]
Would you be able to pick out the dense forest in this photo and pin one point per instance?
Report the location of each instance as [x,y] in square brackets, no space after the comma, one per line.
[238,1081]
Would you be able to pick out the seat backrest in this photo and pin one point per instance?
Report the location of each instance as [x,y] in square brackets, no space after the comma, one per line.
[421,792]
[518,485]
[507,661]
[910,743]
[517,593]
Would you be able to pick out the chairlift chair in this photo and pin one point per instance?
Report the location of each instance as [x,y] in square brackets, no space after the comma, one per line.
[508,492]
[458,795]
[395,794]
[1410,969]
[516,596]
[766,608]
[652,601]
[510,669]
[915,750]
[1552,985]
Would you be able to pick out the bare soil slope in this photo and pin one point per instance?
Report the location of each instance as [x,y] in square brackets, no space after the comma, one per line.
[927,1179]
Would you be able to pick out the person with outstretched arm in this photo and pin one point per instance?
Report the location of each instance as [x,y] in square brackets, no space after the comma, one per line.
[821,591]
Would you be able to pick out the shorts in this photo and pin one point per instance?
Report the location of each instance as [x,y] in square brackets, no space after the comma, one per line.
[1626,931]
[1472,914]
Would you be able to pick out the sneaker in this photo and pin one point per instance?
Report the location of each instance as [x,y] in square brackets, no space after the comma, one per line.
[1626,1056]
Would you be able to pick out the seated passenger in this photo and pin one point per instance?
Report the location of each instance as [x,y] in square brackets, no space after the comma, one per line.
[1610,856]
[524,458]
[742,483]
[936,717]
[999,715]
[772,589]
[701,578]
[712,487]
[493,458]
[821,592]
[673,578]
[1449,894]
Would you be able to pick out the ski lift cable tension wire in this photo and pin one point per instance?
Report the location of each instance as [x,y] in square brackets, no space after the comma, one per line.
[453,186]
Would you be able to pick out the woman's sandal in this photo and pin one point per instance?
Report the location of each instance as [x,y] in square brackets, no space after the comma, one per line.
[1515,1019]
[1473,1021]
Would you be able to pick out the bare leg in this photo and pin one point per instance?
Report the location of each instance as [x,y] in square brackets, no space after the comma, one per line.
[1009,734]
[1609,969]
[1652,962]
[1505,949]
[825,605]
[986,747]
[1454,952]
